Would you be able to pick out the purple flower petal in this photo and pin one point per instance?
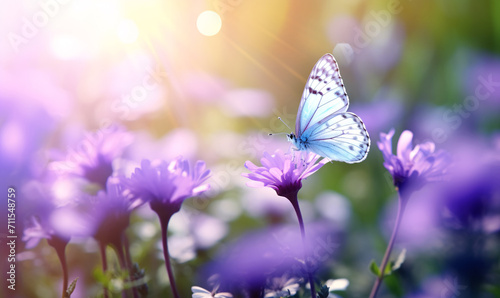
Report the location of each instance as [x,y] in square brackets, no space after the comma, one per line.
[420,162]
[255,184]
[168,183]
[283,172]
[277,174]
[405,145]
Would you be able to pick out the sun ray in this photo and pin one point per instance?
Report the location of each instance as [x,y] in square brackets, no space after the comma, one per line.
[257,63]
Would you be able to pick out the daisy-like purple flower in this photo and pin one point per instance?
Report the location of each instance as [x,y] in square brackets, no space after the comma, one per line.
[110,213]
[34,232]
[41,226]
[109,217]
[165,186]
[93,157]
[38,231]
[411,168]
[284,173]
[417,165]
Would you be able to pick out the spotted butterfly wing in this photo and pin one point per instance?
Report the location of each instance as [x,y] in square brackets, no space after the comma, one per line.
[323,124]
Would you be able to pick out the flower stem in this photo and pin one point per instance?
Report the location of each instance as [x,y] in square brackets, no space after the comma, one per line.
[121,259]
[164,224]
[102,248]
[295,203]
[401,209]
[129,264]
[59,245]
[62,258]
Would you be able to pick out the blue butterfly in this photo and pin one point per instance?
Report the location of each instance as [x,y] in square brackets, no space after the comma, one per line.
[323,124]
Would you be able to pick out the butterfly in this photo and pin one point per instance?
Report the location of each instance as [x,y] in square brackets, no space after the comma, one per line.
[323,125]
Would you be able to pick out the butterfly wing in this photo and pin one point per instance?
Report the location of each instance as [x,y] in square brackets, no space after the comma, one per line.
[323,97]
[342,138]
[323,125]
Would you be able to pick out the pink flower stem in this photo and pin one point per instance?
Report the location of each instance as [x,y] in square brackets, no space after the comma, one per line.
[295,202]
[401,209]
[164,224]
[62,258]
[59,245]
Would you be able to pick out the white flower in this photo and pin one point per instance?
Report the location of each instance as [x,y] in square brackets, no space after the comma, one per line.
[199,292]
[333,285]
[336,285]
[282,287]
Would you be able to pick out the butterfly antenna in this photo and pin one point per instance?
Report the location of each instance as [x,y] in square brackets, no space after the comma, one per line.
[281,133]
[284,123]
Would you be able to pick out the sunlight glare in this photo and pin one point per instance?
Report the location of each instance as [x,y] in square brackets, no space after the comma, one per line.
[209,23]
[127,31]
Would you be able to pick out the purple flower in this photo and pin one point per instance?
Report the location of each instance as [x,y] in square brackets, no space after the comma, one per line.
[411,167]
[41,225]
[110,212]
[254,260]
[104,216]
[283,172]
[39,215]
[472,194]
[166,185]
[93,158]
[35,232]
[419,164]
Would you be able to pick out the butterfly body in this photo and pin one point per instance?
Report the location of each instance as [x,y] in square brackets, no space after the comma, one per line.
[323,124]
[299,144]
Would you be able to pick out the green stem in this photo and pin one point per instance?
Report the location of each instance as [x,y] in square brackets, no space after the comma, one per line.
[121,259]
[116,243]
[104,261]
[130,265]
[295,203]
[401,209]
[495,6]
[164,224]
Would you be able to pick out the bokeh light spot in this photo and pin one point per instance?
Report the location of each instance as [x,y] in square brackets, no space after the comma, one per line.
[209,23]
[12,139]
[127,31]
[63,191]
[66,47]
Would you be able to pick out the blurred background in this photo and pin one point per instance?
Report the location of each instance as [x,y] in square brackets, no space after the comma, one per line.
[209,79]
